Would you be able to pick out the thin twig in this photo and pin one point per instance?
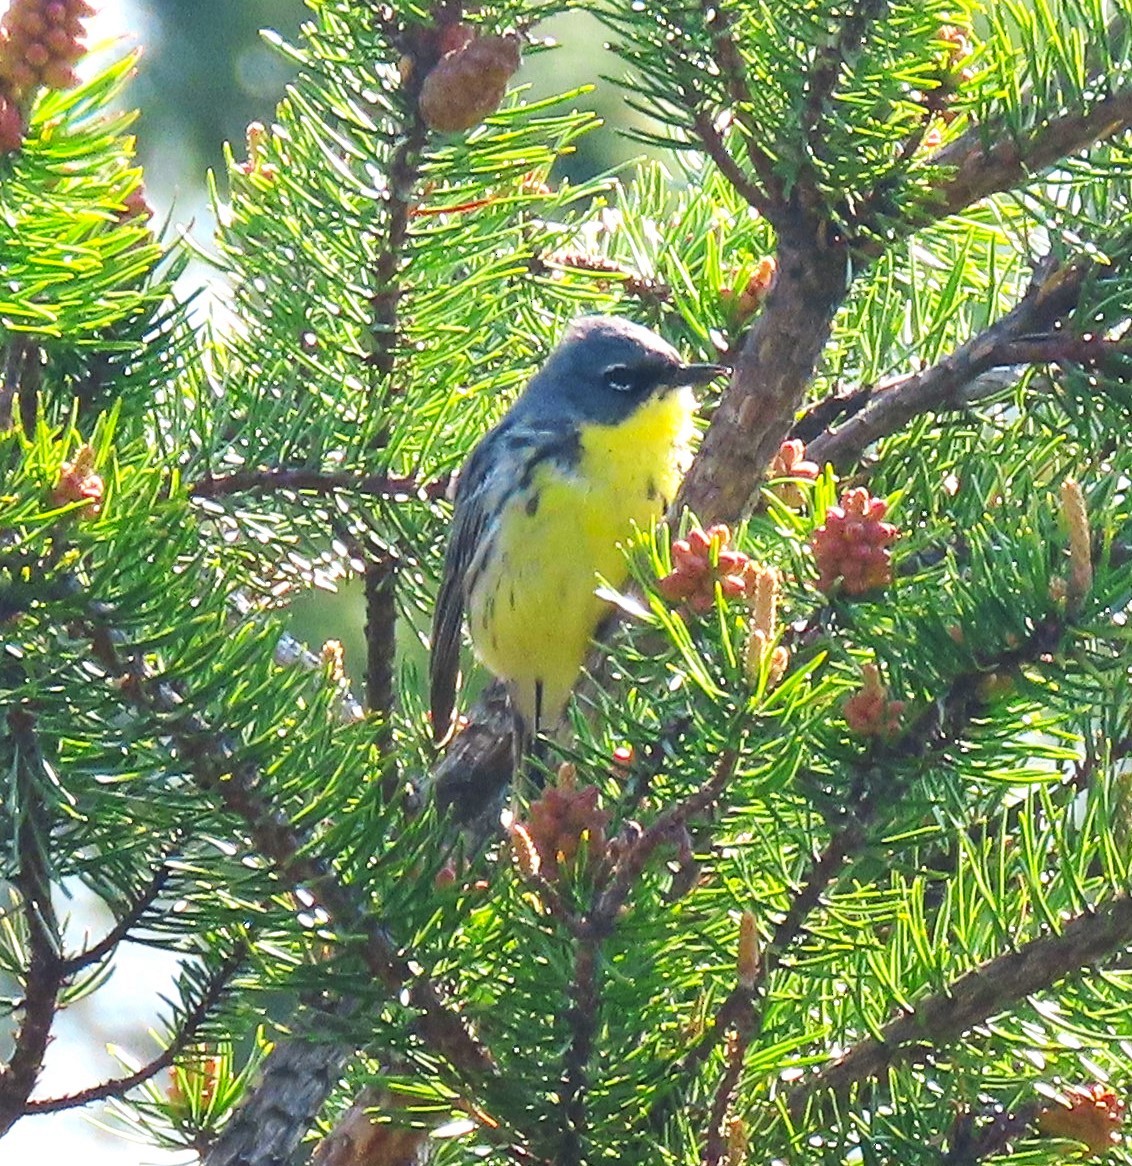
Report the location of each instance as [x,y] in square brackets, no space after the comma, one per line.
[831,62]
[194,1018]
[380,586]
[745,1027]
[388,486]
[766,196]
[715,145]
[942,1018]
[145,899]
[667,825]
[582,1017]
[43,979]
[1023,334]
[209,760]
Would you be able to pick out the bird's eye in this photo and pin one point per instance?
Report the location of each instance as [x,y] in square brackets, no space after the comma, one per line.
[623,379]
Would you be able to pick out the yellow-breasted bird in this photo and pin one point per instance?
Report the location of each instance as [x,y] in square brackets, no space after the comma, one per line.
[598,440]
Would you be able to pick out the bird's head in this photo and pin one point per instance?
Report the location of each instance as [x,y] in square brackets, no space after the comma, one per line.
[604,368]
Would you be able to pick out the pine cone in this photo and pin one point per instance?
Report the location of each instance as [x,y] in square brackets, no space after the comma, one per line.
[468,83]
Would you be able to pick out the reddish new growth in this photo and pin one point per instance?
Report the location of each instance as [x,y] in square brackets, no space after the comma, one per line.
[563,822]
[135,206]
[790,462]
[40,42]
[869,712]
[79,483]
[699,562]
[194,1084]
[851,548]
[11,125]
[745,299]
[256,165]
[1091,1114]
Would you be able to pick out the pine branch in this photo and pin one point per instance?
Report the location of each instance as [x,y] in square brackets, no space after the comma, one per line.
[208,758]
[745,1026]
[1024,335]
[187,1030]
[974,998]
[402,173]
[716,148]
[766,195]
[582,1017]
[737,1012]
[388,486]
[831,62]
[19,382]
[989,159]
[296,1078]
[936,729]
[968,1144]
[131,917]
[667,825]
[43,979]
[380,587]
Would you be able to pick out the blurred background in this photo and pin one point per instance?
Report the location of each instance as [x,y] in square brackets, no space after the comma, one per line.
[204,73]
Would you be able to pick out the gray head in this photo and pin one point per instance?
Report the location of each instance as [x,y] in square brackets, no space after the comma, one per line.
[604,368]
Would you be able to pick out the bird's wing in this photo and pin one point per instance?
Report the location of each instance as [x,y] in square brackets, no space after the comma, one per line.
[474,512]
[498,466]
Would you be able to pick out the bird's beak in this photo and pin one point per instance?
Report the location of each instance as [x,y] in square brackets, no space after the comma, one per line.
[697,374]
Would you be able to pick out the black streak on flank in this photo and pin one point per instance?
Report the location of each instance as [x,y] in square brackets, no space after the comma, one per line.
[532,504]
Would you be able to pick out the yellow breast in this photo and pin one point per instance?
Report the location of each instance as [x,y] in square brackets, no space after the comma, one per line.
[533,612]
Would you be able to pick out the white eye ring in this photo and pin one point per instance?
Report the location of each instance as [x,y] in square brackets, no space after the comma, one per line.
[618,378]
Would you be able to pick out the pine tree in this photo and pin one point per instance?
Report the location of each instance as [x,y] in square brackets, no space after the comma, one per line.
[835,866]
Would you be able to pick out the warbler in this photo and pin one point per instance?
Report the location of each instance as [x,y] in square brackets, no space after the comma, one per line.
[597,441]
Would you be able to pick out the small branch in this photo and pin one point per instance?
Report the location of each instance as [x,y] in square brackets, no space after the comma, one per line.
[388,486]
[582,1017]
[745,1026]
[987,159]
[381,646]
[713,142]
[668,824]
[380,590]
[210,761]
[969,1143]
[43,979]
[841,847]
[87,958]
[648,289]
[943,1018]
[186,1031]
[830,63]
[767,195]
[1009,341]
[807,899]
[19,383]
